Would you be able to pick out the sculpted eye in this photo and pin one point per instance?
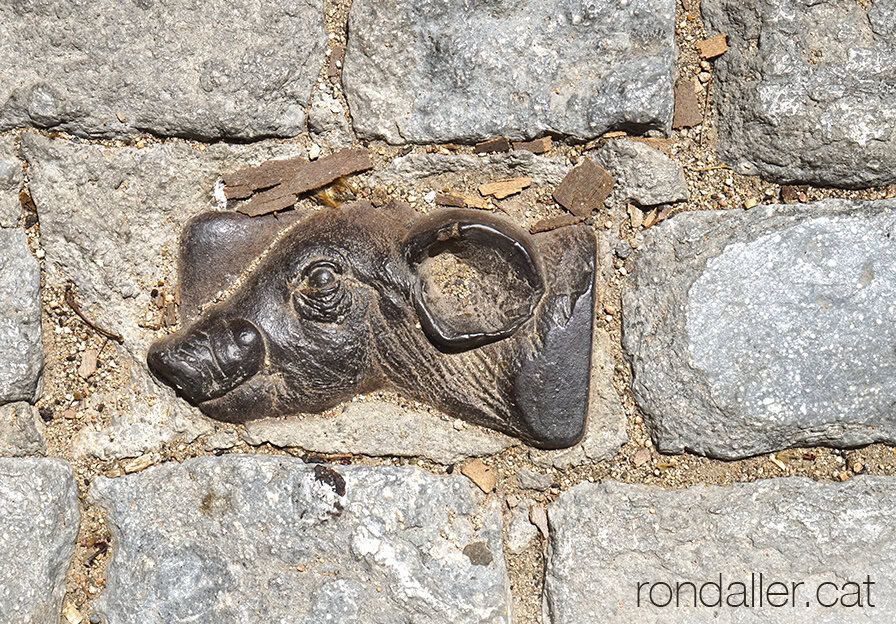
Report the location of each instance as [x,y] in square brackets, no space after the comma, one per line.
[321,275]
[320,295]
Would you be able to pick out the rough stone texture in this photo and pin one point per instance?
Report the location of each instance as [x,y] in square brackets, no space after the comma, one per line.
[238,539]
[110,222]
[607,538]
[11,178]
[434,72]
[146,415]
[476,169]
[644,175]
[21,430]
[755,331]
[520,530]
[605,430]
[111,218]
[327,121]
[531,480]
[379,429]
[38,527]
[807,92]
[216,69]
[21,351]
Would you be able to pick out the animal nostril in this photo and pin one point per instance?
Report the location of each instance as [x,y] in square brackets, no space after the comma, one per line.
[208,361]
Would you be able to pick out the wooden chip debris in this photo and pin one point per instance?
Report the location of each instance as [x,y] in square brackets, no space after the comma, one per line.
[538,146]
[88,364]
[539,518]
[712,47]
[688,112]
[337,54]
[450,199]
[138,463]
[584,189]
[474,201]
[552,223]
[284,180]
[480,474]
[499,144]
[635,216]
[504,188]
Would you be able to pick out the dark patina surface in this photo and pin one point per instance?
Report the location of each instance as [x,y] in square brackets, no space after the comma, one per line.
[459,309]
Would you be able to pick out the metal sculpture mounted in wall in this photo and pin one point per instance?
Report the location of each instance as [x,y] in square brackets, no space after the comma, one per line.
[458,309]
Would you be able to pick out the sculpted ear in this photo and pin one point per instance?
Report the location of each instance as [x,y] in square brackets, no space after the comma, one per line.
[215,249]
[475,278]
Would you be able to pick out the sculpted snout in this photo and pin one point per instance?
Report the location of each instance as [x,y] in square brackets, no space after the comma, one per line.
[205,362]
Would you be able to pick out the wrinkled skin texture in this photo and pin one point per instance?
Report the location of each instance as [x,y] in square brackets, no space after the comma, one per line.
[344,303]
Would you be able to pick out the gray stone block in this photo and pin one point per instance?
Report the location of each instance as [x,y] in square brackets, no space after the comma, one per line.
[520,530]
[531,480]
[11,179]
[643,175]
[378,429]
[111,219]
[754,331]
[609,539]
[807,93]
[38,526]
[447,168]
[21,430]
[216,69]
[21,350]
[426,71]
[327,121]
[236,539]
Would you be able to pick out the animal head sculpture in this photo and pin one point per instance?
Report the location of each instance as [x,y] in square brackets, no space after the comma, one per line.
[353,299]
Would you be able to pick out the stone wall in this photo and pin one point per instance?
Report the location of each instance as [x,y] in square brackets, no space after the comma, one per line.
[739,419]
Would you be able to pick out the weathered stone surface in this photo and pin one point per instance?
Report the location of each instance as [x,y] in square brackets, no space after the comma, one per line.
[644,175]
[520,530]
[236,539]
[110,222]
[111,218]
[38,527]
[379,429]
[605,430]
[608,538]
[21,351]
[476,169]
[815,101]
[21,430]
[531,480]
[754,331]
[327,121]
[432,72]
[146,414]
[11,178]
[213,69]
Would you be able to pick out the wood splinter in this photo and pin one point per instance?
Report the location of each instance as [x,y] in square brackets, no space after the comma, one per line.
[70,300]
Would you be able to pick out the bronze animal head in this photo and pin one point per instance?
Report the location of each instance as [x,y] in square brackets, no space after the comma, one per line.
[459,309]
